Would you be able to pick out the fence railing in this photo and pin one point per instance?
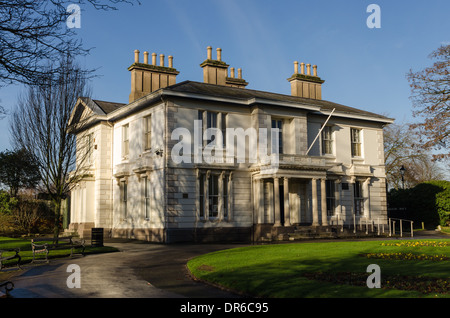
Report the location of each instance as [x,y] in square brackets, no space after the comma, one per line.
[402,230]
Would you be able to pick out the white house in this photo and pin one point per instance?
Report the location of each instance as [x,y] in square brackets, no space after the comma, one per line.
[155,174]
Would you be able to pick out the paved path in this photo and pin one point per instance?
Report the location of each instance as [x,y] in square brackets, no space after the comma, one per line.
[139,270]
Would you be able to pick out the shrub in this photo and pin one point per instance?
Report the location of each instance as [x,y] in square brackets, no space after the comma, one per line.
[427,202]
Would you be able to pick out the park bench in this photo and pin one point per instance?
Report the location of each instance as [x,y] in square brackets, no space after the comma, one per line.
[8,287]
[44,245]
[4,257]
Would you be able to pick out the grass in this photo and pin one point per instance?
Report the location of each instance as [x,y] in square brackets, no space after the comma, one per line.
[26,254]
[330,269]
[445,229]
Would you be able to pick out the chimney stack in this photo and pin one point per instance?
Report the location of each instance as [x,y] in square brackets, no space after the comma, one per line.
[216,71]
[306,85]
[147,78]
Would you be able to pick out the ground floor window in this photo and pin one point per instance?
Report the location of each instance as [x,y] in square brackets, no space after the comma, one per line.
[331,200]
[358,198]
[147,198]
[123,198]
[213,195]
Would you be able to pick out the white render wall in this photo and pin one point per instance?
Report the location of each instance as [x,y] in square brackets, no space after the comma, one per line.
[174,202]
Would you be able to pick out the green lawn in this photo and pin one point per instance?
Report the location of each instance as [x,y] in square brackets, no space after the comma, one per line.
[331,269]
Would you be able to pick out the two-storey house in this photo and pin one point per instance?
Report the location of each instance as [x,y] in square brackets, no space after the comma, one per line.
[213,160]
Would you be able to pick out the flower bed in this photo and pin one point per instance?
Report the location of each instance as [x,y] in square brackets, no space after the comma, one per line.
[407,256]
[424,285]
[418,244]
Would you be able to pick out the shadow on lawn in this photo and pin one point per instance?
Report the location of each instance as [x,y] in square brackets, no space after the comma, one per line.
[333,278]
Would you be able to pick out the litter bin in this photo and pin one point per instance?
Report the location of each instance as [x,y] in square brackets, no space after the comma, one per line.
[97,237]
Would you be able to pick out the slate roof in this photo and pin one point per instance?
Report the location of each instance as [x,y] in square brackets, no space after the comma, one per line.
[246,94]
[212,90]
[107,107]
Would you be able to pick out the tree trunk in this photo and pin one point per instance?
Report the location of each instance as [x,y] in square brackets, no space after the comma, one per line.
[56,227]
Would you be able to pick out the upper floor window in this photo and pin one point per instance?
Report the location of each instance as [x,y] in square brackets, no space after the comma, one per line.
[213,120]
[147,132]
[356,142]
[278,123]
[89,148]
[125,141]
[327,140]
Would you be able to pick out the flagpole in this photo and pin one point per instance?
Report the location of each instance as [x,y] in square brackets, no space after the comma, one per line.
[320,131]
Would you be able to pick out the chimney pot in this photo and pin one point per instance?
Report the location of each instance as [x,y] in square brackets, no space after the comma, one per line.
[209,53]
[240,73]
[161,60]
[308,69]
[154,58]
[302,67]
[219,54]
[315,70]
[232,72]
[136,56]
[170,61]
[145,57]
[295,67]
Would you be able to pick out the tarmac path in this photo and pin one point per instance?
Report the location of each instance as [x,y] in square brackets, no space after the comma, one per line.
[138,270]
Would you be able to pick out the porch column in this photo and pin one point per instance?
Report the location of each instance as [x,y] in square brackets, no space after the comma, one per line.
[230,197]
[260,190]
[287,210]
[206,195]
[366,198]
[323,200]
[220,186]
[315,211]
[337,189]
[276,199]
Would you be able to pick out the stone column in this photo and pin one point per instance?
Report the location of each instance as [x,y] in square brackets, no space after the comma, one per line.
[337,192]
[230,197]
[260,189]
[206,195]
[220,185]
[276,199]
[323,200]
[366,196]
[315,212]
[287,210]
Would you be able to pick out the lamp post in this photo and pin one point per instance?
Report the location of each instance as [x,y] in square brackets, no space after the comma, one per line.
[402,172]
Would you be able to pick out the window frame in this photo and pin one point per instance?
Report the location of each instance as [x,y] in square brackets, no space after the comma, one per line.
[125,141]
[327,130]
[147,132]
[330,192]
[356,145]
[278,122]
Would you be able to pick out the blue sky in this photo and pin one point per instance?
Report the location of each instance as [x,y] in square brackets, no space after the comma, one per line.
[362,67]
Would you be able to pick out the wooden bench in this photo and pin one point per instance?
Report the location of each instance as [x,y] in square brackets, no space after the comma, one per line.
[45,245]
[5,258]
[8,287]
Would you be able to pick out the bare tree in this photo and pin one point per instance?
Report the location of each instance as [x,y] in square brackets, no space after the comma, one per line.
[401,148]
[33,33]
[431,100]
[40,125]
